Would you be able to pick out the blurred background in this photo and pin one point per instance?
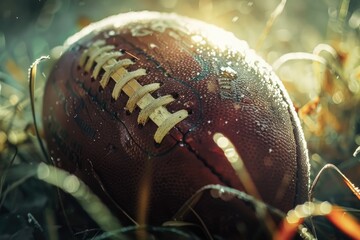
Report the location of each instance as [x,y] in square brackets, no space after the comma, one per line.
[327,96]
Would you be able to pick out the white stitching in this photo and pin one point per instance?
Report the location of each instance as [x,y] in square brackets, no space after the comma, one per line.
[105,58]
[166,126]
[125,79]
[95,53]
[111,69]
[141,92]
[85,54]
[152,106]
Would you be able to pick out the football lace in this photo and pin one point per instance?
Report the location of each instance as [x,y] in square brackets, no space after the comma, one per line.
[101,56]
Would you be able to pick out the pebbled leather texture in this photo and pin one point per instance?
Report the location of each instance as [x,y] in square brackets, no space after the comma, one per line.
[222,84]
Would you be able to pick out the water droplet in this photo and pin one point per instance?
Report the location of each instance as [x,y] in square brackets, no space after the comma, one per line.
[153,45]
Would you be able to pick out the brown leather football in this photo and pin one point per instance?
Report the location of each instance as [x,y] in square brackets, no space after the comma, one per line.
[134,102]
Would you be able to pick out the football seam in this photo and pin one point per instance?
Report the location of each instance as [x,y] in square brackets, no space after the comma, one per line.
[104,57]
[208,166]
[298,146]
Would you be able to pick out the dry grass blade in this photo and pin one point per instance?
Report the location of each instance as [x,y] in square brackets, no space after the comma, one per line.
[275,14]
[355,190]
[32,77]
[89,201]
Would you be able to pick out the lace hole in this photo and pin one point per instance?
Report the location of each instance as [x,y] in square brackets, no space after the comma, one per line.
[157,145]
[175,95]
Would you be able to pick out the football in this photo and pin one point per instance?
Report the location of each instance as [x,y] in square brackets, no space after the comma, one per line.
[134,103]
